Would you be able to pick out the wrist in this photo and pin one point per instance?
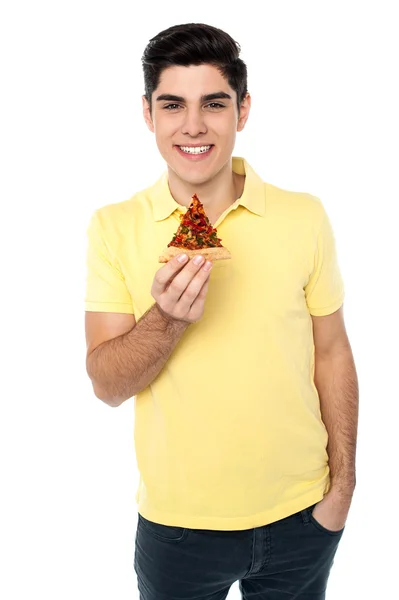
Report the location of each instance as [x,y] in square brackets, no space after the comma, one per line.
[170,321]
[341,491]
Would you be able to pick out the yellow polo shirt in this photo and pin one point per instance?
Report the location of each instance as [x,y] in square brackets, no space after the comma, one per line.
[229,435]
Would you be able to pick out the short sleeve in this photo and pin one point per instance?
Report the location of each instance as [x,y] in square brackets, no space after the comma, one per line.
[106,289]
[325,291]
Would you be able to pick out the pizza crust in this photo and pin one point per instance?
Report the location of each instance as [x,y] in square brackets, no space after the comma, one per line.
[217,253]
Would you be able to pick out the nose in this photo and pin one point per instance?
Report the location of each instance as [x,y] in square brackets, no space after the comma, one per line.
[194,123]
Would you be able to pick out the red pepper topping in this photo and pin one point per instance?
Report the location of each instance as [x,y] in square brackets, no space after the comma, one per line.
[195,230]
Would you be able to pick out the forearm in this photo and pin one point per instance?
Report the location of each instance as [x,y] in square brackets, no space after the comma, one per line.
[122,367]
[337,384]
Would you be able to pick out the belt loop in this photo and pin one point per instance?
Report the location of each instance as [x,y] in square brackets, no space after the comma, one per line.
[305,516]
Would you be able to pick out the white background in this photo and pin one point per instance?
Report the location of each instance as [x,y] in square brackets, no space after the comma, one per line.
[323,79]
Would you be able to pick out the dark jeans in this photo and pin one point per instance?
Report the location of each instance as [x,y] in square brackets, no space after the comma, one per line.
[288,559]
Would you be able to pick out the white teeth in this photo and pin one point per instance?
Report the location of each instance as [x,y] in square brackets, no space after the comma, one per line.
[196,150]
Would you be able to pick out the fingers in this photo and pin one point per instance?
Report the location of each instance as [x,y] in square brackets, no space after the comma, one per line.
[178,277]
[193,296]
[177,288]
[167,273]
[197,307]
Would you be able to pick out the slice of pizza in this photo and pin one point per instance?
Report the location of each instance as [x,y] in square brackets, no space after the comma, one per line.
[195,235]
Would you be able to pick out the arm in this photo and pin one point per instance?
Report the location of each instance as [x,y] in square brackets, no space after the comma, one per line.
[124,365]
[124,357]
[337,384]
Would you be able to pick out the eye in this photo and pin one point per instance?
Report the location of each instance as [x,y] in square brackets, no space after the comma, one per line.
[170,107]
[215,105]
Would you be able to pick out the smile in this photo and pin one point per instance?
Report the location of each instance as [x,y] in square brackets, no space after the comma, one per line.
[194,149]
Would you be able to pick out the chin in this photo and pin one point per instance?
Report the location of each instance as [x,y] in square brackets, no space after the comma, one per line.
[195,176]
[194,180]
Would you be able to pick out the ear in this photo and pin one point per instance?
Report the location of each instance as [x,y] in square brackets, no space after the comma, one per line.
[245,107]
[147,114]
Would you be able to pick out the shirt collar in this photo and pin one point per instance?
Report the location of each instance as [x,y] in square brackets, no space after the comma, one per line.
[252,198]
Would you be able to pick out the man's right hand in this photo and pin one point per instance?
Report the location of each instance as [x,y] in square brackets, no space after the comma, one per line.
[180,288]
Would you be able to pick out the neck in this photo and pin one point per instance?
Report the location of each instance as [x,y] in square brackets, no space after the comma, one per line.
[216,194]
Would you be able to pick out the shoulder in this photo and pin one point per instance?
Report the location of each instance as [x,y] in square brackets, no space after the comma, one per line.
[302,206]
[296,198]
[116,222]
[119,211]
[121,215]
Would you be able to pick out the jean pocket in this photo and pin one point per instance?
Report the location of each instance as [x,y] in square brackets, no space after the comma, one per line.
[320,527]
[164,533]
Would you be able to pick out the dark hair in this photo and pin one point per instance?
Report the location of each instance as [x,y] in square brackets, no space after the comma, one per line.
[194,44]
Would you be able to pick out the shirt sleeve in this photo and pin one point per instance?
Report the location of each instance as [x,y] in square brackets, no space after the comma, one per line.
[325,290]
[106,289]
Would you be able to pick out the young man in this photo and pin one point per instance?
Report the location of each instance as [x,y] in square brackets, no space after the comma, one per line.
[245,386]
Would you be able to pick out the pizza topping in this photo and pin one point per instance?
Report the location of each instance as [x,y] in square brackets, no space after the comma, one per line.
[195,230]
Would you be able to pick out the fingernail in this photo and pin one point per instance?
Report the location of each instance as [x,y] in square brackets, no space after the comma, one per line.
[198,260]
[182,258]
[207,266]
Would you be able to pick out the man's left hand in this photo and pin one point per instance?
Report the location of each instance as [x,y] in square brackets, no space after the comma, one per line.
[332,511]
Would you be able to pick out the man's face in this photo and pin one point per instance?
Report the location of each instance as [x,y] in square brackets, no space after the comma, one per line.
[195,119]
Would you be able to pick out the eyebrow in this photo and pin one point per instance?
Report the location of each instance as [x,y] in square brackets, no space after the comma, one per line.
[206,98]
